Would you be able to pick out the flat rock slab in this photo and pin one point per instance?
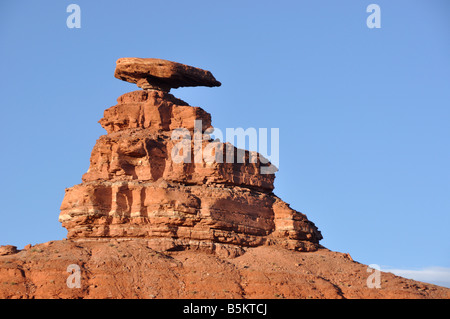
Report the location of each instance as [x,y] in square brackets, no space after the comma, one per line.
[8,250]
[158,74]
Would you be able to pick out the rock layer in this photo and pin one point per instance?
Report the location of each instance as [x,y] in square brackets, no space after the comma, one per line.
[158,175]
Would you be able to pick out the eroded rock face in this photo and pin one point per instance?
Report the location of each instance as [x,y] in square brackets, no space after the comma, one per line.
[158,175]
[141,142]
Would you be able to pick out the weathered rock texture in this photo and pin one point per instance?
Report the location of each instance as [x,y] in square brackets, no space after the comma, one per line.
[162,74]
[8,250]
[137,186]
[130,269]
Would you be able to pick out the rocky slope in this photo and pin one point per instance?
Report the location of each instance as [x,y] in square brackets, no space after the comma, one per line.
[130,269]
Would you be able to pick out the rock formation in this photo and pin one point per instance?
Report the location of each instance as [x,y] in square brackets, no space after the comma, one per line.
[158,175]
[162,74]
[143,223]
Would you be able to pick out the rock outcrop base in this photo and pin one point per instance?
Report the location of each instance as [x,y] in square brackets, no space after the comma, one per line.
[113,269]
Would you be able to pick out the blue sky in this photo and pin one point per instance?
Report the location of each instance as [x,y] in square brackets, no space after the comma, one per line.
[363,113]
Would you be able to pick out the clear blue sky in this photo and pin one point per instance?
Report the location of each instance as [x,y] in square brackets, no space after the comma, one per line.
[363,113]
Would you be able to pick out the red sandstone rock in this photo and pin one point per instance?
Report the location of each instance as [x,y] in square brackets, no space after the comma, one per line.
[162,74]
[139,146]
[136,188]
[185,216]
[8,250]
[141,225]
[152,110]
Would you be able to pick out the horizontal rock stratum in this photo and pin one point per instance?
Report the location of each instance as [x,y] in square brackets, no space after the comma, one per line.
[162,74]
